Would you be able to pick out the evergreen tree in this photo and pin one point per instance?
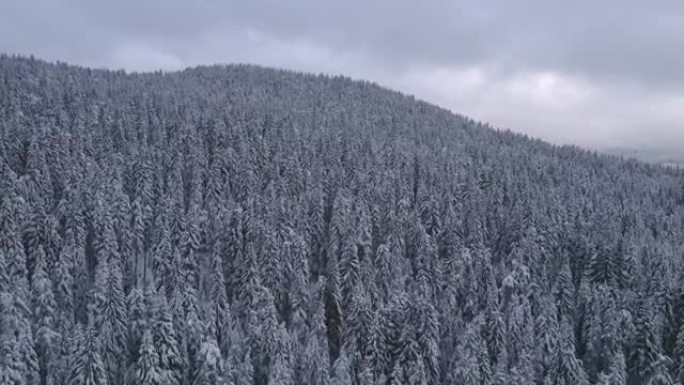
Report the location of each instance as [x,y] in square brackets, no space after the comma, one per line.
[136,325]
[616,373]
[547,337]
[110,318]
[566,368]
[16,339]
[45,334]
[65,283]
[316,362]
[210,369]
[18,362]
[678,357]
[659,372]
[564,292]
[645,349]
[239,368]
[281,371]
[166,343]
[147,368]
[473,365]
[341,370]
[88,368]
[603,330]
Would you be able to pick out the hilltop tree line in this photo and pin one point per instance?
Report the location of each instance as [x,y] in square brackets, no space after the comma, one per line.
[247,226]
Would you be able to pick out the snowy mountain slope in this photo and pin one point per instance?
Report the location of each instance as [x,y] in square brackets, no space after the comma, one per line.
[243,225]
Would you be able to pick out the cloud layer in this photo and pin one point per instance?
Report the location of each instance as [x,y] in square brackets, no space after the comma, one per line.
[599,74]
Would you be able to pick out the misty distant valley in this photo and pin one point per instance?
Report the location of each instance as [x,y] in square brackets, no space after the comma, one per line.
[660,156]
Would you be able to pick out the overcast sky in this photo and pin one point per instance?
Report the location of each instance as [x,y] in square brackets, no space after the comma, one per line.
[595,73]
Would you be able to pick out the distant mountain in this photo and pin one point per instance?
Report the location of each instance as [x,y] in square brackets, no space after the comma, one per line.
[660,156]
[243,225]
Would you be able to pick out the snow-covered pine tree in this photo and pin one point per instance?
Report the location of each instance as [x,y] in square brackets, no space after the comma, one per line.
[147,367]
[210,369]
[44,306]
[645,349]
[87,365]
[110,319]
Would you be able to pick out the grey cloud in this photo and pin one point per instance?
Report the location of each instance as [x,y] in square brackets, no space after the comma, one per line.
[566,71]
[625,39]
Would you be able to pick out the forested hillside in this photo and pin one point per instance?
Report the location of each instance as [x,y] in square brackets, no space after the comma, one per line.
[241,225]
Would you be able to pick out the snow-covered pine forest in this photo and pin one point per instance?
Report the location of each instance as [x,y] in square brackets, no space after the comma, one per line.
[241,225]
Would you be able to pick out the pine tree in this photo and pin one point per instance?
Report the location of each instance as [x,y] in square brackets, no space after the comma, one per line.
[659,372]
[624,264]
[350,267]
[645,350]
[566,368]
[18,362]
[45,334]
[495,328]
[110,318]
[88,368]
[147,368]
[239,368]
[166,343]
[11,367]
[66,351]
[603,330]
[65,283]
[16,335]
[162,257]
[139,253]
[616,373]
[193,330]
[547,340]
[316,362]
[519,342]
[281,370]
[220,318]
[180,330]
[136,325]
[473,365]
[359,323]
[4,276]
[564,292]
[210,370]
[417,375]
[11,209]
[341,370]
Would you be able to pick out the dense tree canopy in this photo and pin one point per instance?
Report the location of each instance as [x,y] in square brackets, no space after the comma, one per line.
[241,225]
